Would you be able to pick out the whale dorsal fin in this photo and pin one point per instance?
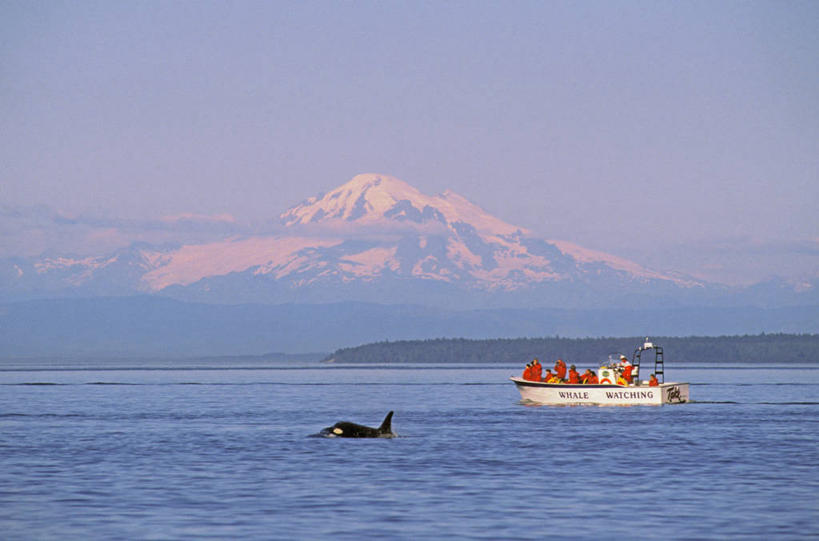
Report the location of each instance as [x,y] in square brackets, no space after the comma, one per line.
[386,426]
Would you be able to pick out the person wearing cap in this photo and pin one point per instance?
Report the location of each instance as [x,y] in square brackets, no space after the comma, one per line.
[560,369]
[574,377]
[652,381]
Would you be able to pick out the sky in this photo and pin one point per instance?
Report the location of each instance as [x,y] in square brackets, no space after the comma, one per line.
[681,135]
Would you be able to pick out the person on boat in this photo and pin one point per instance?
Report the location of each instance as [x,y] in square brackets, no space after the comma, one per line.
[527,372]
[537,370]
[628,368]
[593,379]
[574,377]
[548,377]
[652,381]
[584,377]
[627,373]
[560,369]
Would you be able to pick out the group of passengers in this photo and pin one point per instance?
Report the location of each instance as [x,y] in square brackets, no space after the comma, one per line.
[534,372]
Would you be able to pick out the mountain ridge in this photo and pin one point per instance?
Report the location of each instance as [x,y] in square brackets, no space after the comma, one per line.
[374,238]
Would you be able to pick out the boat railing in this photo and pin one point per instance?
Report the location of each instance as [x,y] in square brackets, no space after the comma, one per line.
[659,366]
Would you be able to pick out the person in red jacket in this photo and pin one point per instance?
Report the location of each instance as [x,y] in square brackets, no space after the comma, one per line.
[574,377]
[652,381]
[560,369]
[527,372]
[537,370]
[593,379]
[628,368]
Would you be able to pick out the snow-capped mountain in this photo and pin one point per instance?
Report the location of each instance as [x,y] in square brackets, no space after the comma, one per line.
[376,228]
[373,238]
[380,199]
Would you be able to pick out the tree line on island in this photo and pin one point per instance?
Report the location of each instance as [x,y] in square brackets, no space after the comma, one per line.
[768,348]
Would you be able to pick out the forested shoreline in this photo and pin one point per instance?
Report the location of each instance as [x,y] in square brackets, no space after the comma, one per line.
[761,348]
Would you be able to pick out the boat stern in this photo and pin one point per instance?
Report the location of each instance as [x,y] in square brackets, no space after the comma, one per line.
[675,393]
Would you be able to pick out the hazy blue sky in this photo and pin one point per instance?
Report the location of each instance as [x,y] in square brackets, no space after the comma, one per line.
[680,134]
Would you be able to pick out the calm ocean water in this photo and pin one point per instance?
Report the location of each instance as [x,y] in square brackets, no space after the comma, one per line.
[214,453]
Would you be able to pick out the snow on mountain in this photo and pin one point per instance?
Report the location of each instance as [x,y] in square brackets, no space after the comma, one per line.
[78,270]
[586,256]
[457,208]
[371,229]
[268,255]
[374,199]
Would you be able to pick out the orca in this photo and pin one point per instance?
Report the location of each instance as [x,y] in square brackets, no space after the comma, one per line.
[346,429]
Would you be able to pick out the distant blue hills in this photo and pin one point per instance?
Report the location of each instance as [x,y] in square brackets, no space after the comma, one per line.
[154,326]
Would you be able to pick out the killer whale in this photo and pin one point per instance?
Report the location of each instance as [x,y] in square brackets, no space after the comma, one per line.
[346,429]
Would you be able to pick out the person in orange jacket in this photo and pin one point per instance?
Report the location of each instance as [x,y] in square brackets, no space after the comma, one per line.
[548,377]
[593,380]
[560,369]
[537,370]
[527,372]
[652,381]
[574,377]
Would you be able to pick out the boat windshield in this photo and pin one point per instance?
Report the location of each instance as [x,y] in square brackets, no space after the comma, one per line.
[614,358]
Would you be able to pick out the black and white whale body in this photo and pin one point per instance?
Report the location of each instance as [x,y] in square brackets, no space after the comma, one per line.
[346,429]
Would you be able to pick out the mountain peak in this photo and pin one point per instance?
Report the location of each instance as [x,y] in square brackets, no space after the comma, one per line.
[374,198]
[367,181]
[365,198]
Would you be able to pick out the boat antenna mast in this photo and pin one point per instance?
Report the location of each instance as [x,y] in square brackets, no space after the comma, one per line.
[659,367]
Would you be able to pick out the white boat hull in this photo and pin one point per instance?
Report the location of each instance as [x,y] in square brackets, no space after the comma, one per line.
[561,394]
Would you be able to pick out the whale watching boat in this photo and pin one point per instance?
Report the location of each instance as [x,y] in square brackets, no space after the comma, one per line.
[612,389]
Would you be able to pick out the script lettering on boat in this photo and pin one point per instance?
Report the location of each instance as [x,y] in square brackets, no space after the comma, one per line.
[629,395]
[674,394]
[577,395]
